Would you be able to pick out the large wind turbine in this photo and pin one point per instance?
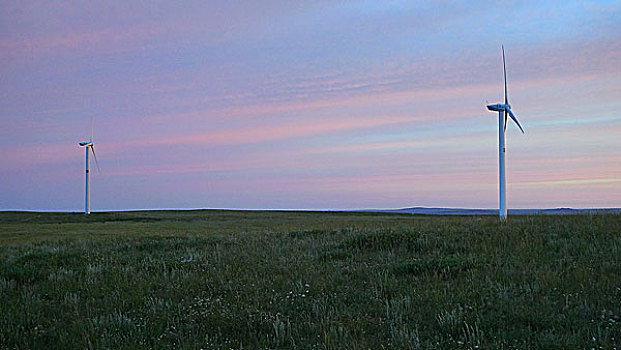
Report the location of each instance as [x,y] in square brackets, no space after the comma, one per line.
[503,110]
[88,145]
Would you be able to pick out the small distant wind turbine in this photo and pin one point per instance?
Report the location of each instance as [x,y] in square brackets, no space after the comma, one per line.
[503,110]
[87,145]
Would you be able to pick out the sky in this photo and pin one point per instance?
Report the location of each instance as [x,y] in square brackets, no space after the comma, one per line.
[282,104]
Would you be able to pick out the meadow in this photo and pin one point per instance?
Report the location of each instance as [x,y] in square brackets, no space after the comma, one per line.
[210,279]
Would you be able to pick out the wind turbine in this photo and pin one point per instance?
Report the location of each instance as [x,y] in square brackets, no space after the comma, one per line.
[503,110]
[89,145]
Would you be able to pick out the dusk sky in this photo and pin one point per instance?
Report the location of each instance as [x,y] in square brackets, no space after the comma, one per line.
[308,104]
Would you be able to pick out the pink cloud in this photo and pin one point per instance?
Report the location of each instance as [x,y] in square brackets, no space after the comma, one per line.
[269,133]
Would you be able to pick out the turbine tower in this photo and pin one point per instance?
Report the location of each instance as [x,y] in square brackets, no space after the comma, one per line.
[503,110]
[88,145]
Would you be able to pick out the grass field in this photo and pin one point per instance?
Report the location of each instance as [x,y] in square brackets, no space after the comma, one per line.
[303,280]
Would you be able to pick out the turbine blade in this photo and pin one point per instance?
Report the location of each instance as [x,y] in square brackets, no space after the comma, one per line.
[504,127]
[504,69]
[92,124]
[514,119]
[94,156]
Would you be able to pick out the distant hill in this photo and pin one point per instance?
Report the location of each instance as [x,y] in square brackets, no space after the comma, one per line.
[465,211]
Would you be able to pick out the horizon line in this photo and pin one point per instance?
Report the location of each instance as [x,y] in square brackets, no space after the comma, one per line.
[298,209]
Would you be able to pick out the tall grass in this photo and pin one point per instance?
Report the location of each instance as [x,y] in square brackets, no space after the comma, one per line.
[291,280]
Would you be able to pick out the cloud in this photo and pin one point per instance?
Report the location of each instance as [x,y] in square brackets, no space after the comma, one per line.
[612,183]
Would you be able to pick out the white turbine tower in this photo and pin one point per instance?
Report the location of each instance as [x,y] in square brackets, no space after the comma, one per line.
[87,145]
[503,110]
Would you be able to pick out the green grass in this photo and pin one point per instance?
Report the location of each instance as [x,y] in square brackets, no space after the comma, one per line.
[303,280]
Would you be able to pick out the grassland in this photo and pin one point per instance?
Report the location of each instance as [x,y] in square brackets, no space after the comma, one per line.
[293,280]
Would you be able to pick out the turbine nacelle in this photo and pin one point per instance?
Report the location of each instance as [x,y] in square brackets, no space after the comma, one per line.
[86,144]
[498,107]
[506,108]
